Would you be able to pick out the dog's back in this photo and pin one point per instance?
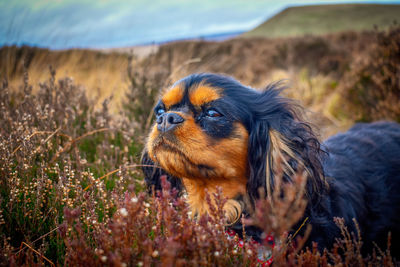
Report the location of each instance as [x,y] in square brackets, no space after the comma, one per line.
[363,169]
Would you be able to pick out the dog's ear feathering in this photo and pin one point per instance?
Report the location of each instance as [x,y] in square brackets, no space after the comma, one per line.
[278,133]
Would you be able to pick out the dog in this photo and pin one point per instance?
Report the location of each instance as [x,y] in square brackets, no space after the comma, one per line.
[211,131]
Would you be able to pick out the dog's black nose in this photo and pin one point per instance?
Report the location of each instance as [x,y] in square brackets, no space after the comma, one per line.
[168,121]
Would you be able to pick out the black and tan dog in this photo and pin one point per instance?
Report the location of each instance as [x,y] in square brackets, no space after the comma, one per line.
[212,131]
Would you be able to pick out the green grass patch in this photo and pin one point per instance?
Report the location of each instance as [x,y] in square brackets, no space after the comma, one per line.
[326,19]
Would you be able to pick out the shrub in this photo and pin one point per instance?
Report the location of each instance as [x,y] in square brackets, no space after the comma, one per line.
[155,231]
[53,144]
[371,88]
[70,194]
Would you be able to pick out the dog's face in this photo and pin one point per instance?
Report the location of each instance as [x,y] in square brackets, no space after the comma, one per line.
[199,138]
[211,131]
[195,136]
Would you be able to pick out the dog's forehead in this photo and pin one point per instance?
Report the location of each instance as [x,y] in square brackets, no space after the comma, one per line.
[173,96]
[196,94]
[203,94]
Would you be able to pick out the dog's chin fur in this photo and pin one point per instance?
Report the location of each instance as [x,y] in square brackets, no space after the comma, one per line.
[351,175]
[200,170]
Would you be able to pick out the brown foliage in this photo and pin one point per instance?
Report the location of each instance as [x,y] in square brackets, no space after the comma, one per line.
[371,89]
[154,230]
[53,144]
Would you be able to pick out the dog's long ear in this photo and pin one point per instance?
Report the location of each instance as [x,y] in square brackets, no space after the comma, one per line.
[259,144]
[153,172]
[278,134]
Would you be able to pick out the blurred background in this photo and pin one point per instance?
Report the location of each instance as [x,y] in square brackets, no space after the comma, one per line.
[78,82]
[340,59]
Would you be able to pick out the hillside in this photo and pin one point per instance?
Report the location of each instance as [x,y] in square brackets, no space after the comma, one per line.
[335,76]
[325,19]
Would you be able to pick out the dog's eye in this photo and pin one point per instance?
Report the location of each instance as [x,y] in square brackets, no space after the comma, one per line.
[213,113]
[160,111]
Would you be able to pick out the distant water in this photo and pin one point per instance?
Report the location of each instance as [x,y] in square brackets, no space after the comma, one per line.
[222,36]
[211,37]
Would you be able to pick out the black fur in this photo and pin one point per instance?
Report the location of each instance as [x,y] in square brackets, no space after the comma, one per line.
[353,175]
[363,170]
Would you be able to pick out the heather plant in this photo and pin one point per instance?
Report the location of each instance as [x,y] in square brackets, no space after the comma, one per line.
[371,88]
[158,230]
[53,145]
[71,194]
[279,212]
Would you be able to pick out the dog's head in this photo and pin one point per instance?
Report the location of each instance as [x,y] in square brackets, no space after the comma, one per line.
[212,131]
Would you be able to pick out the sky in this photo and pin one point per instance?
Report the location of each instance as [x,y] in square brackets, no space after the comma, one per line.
[62,24]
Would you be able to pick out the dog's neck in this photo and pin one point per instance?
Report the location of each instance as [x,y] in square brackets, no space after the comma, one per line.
[196,191]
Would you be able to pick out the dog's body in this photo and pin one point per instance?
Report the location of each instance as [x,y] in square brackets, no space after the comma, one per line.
[212,131]
[362,168]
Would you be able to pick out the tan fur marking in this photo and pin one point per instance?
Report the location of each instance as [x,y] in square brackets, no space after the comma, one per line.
[173,96]
[279,148]
[203,94]
[280,151]
[277,152]
[150,141]
[231,188]
[233,211]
